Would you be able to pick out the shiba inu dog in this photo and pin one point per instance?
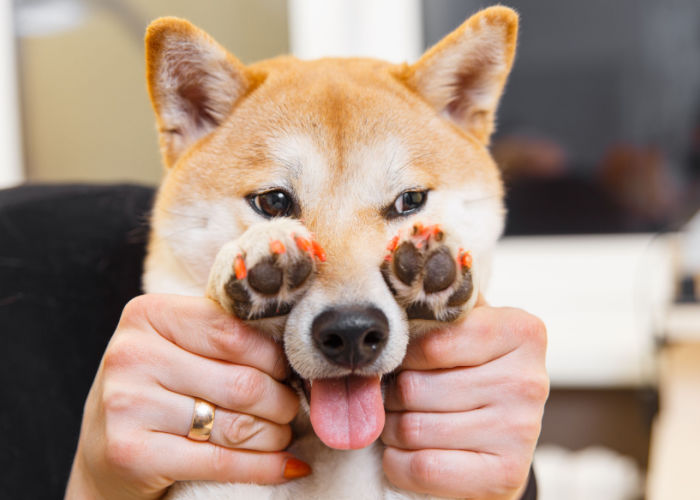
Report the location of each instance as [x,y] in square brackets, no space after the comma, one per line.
[342,206]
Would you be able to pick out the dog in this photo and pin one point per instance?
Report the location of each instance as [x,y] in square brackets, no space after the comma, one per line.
[341,206]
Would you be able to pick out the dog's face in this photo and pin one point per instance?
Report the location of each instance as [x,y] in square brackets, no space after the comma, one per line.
[357,150]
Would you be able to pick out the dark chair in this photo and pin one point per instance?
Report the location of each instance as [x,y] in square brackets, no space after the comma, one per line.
[70,258]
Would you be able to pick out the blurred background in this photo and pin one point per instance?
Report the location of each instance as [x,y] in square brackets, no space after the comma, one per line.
[598,138]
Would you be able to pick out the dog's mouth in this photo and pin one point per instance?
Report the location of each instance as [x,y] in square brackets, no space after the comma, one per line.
[347,413]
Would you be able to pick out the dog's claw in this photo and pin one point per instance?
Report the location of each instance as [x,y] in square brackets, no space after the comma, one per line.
[277,247]
[318,251]
[239,267]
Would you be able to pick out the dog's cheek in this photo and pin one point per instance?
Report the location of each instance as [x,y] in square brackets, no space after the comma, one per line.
[395,348]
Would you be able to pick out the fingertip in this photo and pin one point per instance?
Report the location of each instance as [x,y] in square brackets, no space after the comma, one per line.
[294,468]
[281,369]
[396,463]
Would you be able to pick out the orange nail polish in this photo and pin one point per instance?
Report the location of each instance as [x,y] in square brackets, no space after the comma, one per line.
[277,247]
[466,260]
[393,244]
[303,243]
[239,268]
[319,251]
[295,468]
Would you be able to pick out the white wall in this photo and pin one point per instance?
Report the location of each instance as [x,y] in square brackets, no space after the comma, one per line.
[383,29]
[11,167]
[604,299]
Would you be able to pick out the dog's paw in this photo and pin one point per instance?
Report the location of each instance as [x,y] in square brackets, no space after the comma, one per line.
[263,273]
[428,273]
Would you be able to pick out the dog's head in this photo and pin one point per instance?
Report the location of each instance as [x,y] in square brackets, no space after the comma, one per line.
[349,144]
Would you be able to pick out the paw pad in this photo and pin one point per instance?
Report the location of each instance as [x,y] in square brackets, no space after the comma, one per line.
[265,272]
[428,276]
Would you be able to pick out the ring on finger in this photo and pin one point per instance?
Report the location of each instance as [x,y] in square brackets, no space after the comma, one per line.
[202,420]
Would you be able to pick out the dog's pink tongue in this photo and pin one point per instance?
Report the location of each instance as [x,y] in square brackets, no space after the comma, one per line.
[347,412]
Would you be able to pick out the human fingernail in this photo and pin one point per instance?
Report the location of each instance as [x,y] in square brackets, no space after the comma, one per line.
[295,468]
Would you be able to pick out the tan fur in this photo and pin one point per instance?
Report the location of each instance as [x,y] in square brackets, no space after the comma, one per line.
[347,136]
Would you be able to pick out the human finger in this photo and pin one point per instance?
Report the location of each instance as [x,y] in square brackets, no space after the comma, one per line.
[514,377]
[455,474]
[200,326]
[486,334]
[234,387]
[181,459]
[172,413]
[481,430]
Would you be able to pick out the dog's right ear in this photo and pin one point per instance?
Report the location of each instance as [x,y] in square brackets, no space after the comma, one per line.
[193,83]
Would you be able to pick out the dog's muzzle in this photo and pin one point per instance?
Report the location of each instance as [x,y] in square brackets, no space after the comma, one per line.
[351,336]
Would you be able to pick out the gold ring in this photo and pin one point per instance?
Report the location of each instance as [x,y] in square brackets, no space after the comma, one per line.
[202,420]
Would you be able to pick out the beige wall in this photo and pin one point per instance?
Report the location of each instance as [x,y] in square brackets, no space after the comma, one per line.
[85,108]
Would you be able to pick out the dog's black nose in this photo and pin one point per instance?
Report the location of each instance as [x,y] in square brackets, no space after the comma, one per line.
[351,336]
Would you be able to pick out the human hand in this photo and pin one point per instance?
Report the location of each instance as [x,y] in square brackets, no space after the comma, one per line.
[464,414]
[165,351]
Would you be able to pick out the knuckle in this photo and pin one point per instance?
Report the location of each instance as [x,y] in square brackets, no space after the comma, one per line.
[436,347]
[527,429]
[531,328]
[408,387]
[136,309]
[239,428]
[121,353]
[481,322]
[513,472]
[533,388]
[425,469]
[123,451]
[409,430]
[221,461]
[227,336]
[540,388]
[116,399]
[247,388]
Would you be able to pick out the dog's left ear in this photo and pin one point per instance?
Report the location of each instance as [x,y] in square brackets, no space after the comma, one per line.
[193,83]
[464,74]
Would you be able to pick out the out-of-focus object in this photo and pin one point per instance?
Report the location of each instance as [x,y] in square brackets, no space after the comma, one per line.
[683,321]
[592,473]
[11,164]
[639,179]
[390,29]
[47,17]
[529,156]
[675,442]
[675,445]
[603,298]
[690,257]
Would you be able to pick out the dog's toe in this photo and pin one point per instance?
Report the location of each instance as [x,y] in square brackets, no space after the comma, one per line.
[408,262]
[440,271]
[266,277]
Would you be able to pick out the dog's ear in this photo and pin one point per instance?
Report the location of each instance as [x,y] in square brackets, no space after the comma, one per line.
[464,74]
[193,83]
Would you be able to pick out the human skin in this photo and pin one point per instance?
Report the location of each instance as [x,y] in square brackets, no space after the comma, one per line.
[168,349]
[465,411]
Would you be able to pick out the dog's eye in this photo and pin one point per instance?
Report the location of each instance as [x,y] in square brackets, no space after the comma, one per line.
[272,203]
[408,202]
